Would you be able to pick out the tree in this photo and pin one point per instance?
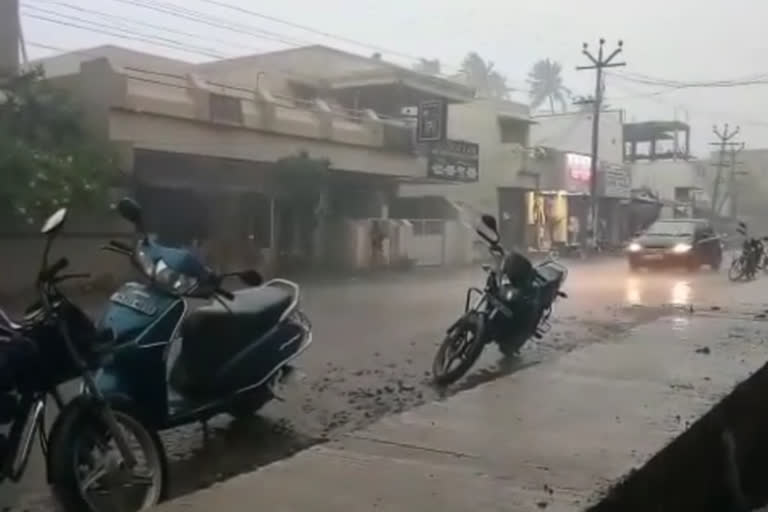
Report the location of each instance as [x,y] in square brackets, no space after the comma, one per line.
[428,66]
[546,82]
[47,158]
[304,181]
[480,74]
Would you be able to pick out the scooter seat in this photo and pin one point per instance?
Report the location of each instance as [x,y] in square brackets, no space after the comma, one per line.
[212,335]
[251,311]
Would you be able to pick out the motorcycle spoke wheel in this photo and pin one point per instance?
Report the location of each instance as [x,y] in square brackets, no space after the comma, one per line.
[105,481]
[458,351]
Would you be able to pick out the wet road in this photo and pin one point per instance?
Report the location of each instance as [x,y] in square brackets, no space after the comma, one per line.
[374,343]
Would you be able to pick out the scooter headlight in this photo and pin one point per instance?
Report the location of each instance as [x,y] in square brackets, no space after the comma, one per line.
[144,260]
[175,281]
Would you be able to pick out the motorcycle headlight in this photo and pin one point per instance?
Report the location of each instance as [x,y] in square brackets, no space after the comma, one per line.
[681,248]
[173,280]
[509,293]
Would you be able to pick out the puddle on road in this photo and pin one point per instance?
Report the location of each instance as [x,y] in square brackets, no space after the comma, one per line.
[718,464]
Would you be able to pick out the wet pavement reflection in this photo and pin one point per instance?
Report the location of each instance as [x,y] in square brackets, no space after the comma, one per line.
[374,343]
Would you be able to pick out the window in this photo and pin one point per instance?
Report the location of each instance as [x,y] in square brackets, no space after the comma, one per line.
[227,109]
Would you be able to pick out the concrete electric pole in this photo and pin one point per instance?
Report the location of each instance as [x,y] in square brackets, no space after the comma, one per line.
[724,141]
[10,36]
[598,64]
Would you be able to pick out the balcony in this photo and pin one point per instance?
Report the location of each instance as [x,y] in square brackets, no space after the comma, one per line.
[193,98]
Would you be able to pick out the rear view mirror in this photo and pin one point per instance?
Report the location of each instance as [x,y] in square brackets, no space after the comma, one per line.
[251,278]
[489,221]
[131,211]
[54,222]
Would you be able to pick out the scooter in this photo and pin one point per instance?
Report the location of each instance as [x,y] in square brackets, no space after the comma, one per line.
[235,351]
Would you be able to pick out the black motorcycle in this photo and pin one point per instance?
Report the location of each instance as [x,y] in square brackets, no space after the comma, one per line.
[751,258]
[99,456]
[514,306]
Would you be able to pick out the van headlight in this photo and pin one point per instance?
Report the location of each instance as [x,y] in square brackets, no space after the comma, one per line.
[681,248]
[175,281]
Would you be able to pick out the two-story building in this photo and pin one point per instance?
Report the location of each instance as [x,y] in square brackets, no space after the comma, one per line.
[205,147]
[501,128]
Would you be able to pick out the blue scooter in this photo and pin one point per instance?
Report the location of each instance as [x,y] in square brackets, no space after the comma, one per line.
[235,350]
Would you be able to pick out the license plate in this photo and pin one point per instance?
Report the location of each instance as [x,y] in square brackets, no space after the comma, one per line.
[130,300]
[653,256]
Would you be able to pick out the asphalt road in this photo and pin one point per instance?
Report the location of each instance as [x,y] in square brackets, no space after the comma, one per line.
[374,343]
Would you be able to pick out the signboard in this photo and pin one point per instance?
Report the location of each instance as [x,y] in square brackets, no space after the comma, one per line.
[614,181]
[578,167]
[454,160]
[431,121]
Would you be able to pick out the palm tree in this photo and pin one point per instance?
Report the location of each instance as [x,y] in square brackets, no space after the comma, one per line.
[480,74]
[546,82]
[428,66]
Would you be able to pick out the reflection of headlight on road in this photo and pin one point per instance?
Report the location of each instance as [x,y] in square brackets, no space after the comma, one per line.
[634,247]
[634,295]
[681,248]
[681,293]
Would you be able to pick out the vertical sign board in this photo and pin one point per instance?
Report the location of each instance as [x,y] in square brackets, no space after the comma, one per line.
[577,172]
[431,121]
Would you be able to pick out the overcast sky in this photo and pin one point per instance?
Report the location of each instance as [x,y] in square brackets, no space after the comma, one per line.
[690,40]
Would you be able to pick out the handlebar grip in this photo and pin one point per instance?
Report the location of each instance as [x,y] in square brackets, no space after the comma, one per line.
[225,293]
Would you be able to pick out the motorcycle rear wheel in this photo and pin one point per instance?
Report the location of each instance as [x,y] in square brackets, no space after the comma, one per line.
[464,343]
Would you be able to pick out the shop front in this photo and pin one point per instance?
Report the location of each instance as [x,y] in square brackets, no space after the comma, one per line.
[558,211]
[614,205]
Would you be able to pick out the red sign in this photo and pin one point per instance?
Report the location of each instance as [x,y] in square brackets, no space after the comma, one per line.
[579,167]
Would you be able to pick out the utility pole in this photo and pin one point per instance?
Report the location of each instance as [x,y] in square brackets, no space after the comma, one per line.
[732,194]
[598,64]
[724,141]
[10,35]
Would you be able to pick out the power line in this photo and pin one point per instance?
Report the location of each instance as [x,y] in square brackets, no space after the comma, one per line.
[127,34]
[123,19]
[306,28]
[213,21]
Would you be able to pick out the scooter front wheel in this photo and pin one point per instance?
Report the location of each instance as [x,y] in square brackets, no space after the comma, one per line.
[87,470]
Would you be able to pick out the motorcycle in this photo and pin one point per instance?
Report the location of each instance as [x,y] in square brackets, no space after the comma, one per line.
[751,259]
[514,306]
[234,352]
[89,450]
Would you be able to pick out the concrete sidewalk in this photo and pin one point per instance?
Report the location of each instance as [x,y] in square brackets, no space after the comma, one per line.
[552,437]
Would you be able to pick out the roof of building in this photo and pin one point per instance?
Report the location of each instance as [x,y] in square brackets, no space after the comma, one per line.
[69,63]
[340,69]
[652,130]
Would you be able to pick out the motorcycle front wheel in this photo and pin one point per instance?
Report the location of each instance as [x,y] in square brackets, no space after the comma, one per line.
[462,345]
[736,271]
[88,473]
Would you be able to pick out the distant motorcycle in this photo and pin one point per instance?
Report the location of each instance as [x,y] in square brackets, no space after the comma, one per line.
[235,351]
[99,454]
[515,305]
[752,257]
